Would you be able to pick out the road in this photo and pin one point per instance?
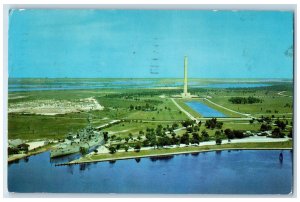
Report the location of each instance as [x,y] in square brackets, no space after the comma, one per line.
[184,111]
[248,115]
[281,94]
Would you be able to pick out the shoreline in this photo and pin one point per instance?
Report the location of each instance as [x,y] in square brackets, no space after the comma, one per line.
[14,158]
[200,150]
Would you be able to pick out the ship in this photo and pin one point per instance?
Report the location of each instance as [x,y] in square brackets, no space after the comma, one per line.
[85,139]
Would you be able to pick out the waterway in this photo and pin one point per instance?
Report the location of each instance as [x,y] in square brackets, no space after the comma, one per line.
[222,172]
[20,85]
[204,110]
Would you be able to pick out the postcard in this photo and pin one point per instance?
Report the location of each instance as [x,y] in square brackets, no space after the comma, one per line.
[150,101]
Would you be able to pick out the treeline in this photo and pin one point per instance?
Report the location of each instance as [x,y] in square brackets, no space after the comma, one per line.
[244,100]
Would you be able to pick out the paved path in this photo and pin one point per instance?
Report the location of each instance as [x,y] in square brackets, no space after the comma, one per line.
[107,124]
[184,111]
[248,115]
[281,94]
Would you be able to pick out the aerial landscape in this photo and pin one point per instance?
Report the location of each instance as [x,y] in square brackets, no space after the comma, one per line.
[162,102]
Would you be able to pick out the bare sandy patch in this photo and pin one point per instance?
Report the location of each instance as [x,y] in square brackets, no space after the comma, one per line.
[53,107]
[16,97]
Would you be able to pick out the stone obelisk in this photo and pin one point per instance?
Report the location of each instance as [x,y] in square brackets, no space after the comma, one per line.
[185,93]
[185,75]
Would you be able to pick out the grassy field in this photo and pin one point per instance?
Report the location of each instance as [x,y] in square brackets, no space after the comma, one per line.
[46,127]
[123,129]
[117,103]
[269,103]
[167,111]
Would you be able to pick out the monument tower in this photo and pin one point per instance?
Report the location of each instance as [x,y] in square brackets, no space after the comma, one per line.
[185,93]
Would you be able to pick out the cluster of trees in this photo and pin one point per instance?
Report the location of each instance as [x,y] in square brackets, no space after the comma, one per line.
[164,136]
[231,134]
[213,123]
[145,107]
[281,124]
[244,100]
[270,111]
[16,150]
[277,133]
[265,127]
[264,119]
[188,123]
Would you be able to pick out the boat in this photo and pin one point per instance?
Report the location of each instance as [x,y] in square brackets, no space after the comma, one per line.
[281,157]
[86,138]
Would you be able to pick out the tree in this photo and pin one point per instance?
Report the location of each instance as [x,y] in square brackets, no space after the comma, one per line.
[276,133]
[185,139]
[218,141]
[218,137]
[175,140]
[83,150]
[137,147]
[112,149]
[105,136]
[238,133]
[196,138]
[174,126]
[265,127]
[243,100]
[204,135]
[213,123]
[187,123]
[229,134]
[280,124]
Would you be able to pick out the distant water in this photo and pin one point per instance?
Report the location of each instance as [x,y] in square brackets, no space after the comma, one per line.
[222,172]
[236,85]
[204,110]
[19,85]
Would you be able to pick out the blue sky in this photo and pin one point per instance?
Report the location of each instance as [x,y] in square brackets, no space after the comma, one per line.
[150,43]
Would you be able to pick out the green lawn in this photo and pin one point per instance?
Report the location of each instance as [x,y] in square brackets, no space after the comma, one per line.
[269,103]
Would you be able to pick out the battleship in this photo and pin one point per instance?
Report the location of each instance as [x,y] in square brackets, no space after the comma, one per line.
[84,139]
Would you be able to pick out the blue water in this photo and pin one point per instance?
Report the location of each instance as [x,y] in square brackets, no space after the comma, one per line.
[204,110]
[236,85]
[19,85]
[226,172]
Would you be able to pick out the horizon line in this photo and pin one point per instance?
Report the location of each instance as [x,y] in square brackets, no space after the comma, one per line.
[146,78]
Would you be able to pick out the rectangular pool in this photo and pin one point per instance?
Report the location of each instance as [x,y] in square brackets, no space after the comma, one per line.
[204,110]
